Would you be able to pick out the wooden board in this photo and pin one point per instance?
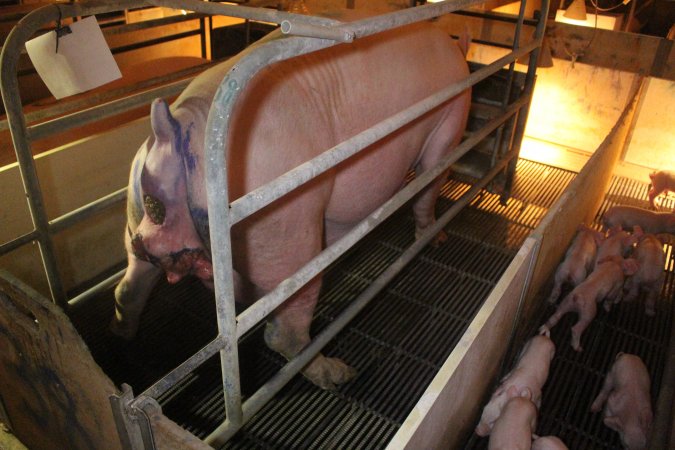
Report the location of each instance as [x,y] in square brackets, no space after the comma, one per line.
[629,52]
[54,394]
[578,204]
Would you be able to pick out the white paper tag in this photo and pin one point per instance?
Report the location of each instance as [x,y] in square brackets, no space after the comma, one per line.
[83,61]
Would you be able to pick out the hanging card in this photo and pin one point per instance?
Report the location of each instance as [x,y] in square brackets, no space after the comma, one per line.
[83,61]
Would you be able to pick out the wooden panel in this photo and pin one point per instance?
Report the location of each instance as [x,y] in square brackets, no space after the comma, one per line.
[445,413]
[578,204]
[169,436]
[54,394]
[630,52]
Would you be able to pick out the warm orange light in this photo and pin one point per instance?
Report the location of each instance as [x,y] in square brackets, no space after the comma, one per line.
[604,22]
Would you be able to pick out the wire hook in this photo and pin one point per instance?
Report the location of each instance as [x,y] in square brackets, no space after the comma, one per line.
[60,31]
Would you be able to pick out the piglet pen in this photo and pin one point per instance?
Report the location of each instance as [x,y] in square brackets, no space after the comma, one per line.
[430,329]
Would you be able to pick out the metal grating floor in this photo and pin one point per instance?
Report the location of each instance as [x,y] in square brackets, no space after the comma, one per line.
[397,343]
[576,378]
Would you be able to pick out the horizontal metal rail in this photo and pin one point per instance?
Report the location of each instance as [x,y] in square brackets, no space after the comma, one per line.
[105,110]
[95,290]
[152,23]
[62,108]
[71,218]
[241,11]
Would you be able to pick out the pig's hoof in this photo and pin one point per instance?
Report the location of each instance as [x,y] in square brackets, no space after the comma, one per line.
[117,329]
[327,373]
[439,239]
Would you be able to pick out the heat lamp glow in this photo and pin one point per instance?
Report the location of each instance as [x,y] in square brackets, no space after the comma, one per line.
[604,21]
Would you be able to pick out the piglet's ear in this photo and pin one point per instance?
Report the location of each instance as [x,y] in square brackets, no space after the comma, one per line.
[161,120]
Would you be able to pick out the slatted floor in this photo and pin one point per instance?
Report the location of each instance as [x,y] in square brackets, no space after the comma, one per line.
[397,343]
[575,379]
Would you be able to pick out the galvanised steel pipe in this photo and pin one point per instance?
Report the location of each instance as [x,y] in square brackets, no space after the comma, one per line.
[243,12]
[108,109]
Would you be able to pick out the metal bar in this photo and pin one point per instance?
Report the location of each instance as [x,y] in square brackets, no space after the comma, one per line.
[528,89]
[218,201]
[100,287]
[226,430]
[18,242]
[153,23]
[243,12]
[266,194]
[65,107]
[108,109]
[156,41]
[180,372]
[377,24]
[499,17]
[316,31]
[265,305]
[86,211]
[498,144]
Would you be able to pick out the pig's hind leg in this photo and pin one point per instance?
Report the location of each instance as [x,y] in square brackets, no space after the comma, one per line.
[442,140]
[278,244]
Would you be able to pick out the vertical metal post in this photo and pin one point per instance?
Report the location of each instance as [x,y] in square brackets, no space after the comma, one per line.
[21,140]
[499,147]
[528,87]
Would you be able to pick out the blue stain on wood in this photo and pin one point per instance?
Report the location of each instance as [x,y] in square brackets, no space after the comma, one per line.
[47,394]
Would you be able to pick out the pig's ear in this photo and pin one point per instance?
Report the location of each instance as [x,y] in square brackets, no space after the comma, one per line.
[161,120]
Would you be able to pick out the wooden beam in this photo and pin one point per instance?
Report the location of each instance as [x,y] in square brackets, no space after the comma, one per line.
[630,52]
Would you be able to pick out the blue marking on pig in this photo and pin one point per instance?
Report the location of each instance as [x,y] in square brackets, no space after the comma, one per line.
[184,149]
[200,218]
